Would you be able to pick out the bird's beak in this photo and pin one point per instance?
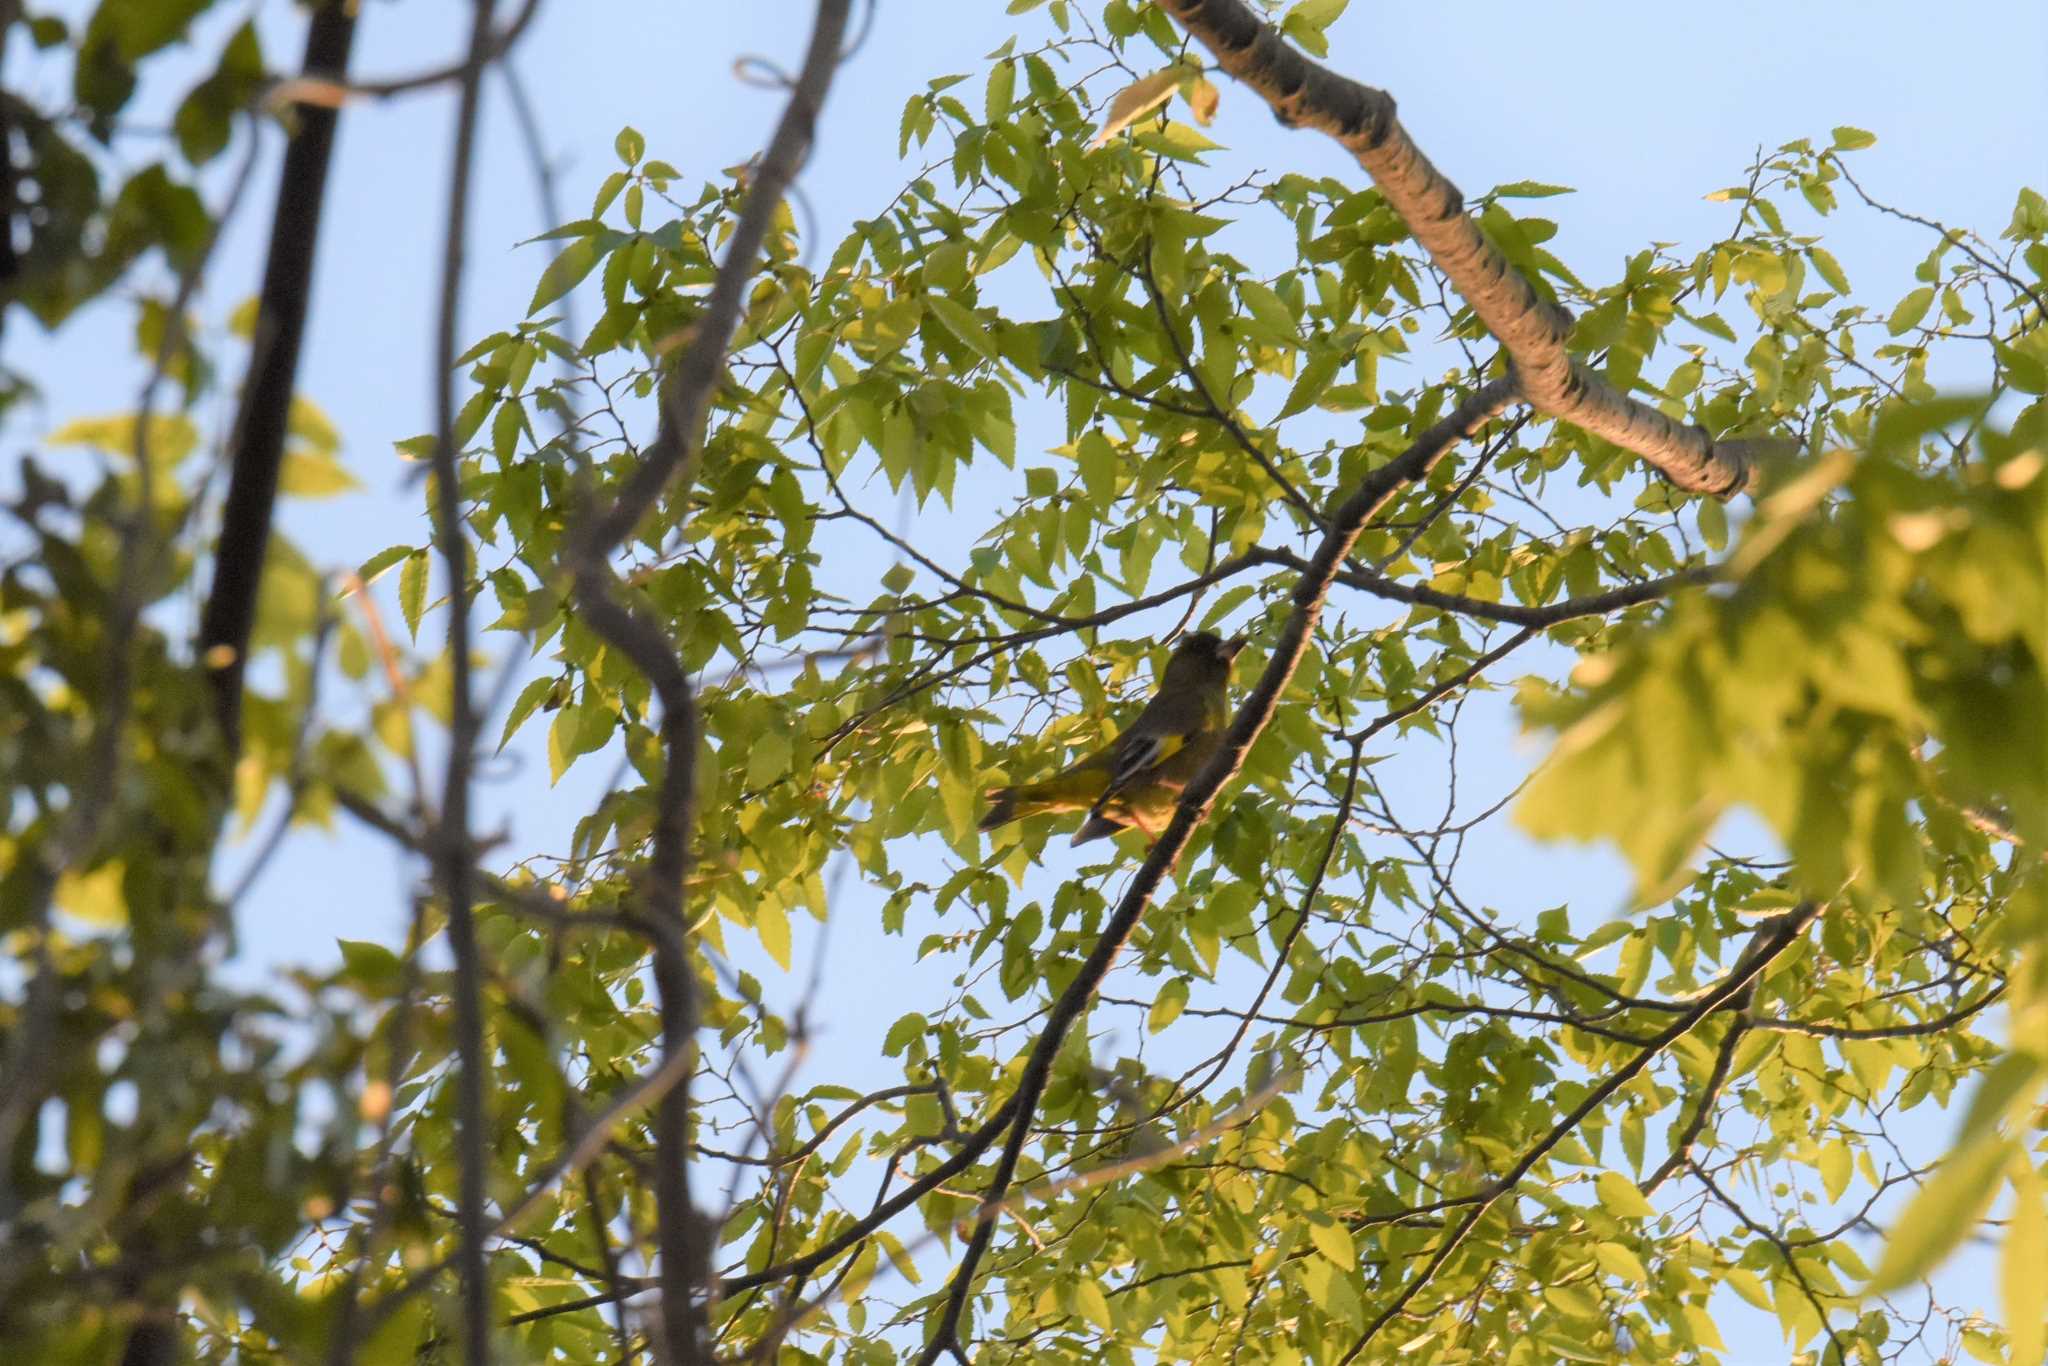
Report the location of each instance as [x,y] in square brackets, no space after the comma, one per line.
[1235,644]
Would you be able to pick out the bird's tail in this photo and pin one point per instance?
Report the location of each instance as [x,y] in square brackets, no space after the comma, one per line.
[1098,826]
[1002,808]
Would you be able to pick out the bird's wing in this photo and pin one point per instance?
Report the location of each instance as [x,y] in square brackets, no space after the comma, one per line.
[1139,751]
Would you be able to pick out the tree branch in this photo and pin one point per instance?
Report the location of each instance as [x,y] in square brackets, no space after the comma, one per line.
[685,400]
[328,86]
[453,856]
[1531,327]
[256,447]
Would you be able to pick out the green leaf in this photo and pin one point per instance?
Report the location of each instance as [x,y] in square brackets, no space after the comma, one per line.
[412,590]
[1621,1198]
[468,421]
[961,322]
[1713,522]
[566,271]
[1167,1006]
[1098,460]
[530,697]
[1002,85]
[1621,1263]
[906,1030]
[1849,139]
[1091,1303]
[1910,311]
[630,145]
[506,429]
[1316,373]
[1836,1165]
[373,568]
[771,923]
[309,474]
[373,968]
[1267,309]
[1334,1242]
[1829,268]
[2022,1286]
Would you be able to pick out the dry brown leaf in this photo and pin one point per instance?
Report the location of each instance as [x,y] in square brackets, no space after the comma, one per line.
[1136,100]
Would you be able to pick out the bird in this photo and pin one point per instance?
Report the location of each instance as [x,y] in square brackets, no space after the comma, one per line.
[1137,778]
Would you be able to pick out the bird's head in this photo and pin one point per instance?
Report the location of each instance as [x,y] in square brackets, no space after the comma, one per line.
[1203,657]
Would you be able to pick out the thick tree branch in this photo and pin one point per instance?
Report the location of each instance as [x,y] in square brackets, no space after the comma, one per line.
[256,448]
[1531,327]
[686,396]
[1724,1058]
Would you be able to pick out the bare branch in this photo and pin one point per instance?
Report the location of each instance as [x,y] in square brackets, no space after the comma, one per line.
[256,448]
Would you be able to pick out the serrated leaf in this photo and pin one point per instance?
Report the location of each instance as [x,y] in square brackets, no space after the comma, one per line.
[506,429]
[530,697]
[566,271]
[902,1034]
[1829,268]
[771,924]
[1849,139]
[960,320]
[1713,521]
[412,590]
[373,568]
[1002,86]
[1316,373]
[467,422]
[899,1256]
[1098,461]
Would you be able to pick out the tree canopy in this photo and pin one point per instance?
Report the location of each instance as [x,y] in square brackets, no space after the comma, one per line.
[812,543]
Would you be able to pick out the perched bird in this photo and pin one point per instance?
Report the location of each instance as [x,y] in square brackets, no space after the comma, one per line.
[1136,779]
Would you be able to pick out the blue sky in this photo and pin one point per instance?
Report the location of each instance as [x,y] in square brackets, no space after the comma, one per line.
[1642,108]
